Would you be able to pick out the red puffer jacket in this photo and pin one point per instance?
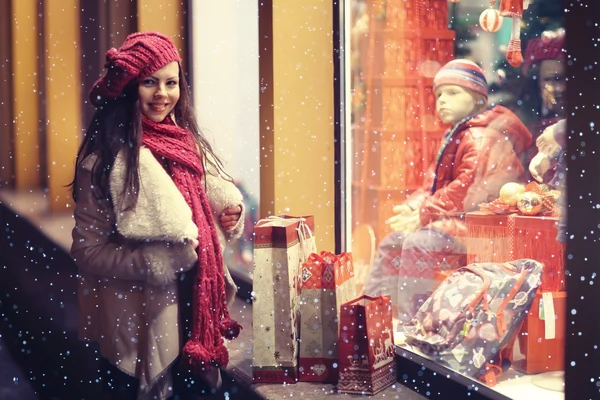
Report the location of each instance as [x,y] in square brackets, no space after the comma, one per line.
[475,159]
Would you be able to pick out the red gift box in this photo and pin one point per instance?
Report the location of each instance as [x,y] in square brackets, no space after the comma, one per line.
[542,353]
[501,238]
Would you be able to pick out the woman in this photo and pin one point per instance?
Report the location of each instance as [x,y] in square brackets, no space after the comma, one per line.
[153,288]
[476,157]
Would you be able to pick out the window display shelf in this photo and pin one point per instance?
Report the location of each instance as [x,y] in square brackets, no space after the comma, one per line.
[512,384]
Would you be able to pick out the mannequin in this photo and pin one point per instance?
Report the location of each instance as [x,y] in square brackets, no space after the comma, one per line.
[477,156]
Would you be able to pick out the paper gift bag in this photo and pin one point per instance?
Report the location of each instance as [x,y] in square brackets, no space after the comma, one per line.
[366,346]
[345,287]
[327,283]
[281,244]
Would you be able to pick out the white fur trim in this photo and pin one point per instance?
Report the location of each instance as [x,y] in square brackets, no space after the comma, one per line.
[161,218]
[161,213]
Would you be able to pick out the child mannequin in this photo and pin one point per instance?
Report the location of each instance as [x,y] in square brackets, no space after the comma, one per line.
[477,156]
[152,212]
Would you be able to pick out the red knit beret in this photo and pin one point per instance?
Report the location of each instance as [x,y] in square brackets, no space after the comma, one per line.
[141,55]
[543,48]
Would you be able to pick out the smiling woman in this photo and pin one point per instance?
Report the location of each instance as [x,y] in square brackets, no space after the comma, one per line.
[149,189]
[159,93]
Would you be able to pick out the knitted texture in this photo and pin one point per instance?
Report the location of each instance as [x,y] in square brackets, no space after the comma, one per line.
[176,148]
[463,73]
[141,55]
[540,49]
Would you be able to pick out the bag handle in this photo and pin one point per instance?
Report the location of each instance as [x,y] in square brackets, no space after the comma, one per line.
[272,220]
[306,239]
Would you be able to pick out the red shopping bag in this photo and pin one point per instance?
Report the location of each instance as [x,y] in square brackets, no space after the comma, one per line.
[327,283]
[366,346]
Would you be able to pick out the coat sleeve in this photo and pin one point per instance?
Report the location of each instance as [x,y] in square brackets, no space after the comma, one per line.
[99,250]
[222,194]
[484,162]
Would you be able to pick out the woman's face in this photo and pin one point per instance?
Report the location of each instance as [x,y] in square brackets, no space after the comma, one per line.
[552,83]
[453,103]
[159,93]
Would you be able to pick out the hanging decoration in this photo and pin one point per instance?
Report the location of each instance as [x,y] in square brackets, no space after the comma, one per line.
[491,21]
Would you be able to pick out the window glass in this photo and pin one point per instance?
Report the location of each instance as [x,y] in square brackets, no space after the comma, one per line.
[455,153]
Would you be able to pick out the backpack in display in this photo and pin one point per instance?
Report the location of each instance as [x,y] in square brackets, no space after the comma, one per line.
[471,320]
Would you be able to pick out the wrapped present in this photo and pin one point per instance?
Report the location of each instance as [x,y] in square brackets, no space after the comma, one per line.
[542,336]
[366,347]
[501,238]
[281,244]
[327,283]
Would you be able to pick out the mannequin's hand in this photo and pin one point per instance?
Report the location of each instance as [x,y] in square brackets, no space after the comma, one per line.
[230,217]
[400,212]
[406,223]
[546,142]
[539,166]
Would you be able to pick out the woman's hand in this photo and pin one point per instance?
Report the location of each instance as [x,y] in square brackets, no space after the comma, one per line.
[230,217]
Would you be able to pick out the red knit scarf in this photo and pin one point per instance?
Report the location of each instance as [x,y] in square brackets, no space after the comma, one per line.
[211,321]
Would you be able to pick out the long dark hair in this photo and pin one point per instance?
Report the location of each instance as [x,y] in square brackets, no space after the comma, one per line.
[117,125]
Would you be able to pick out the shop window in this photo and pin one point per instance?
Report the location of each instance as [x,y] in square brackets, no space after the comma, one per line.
[455,162]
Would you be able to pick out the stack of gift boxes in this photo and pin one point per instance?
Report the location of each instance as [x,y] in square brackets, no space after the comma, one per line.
[500,238]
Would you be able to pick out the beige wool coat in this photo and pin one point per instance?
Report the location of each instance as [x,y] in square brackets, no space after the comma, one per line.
[128,262]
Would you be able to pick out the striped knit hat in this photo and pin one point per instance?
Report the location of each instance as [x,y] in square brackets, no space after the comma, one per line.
[462,73]
[141,55]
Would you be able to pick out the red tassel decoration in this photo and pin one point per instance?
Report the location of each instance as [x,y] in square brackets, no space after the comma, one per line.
[221,356]
[196,355]
[229,328]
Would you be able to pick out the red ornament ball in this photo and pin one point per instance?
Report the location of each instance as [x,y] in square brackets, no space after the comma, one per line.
[490,20]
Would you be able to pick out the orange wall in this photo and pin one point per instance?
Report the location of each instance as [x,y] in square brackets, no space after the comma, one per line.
[165,17]
[25,67]
[297,149]
[63,100]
